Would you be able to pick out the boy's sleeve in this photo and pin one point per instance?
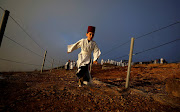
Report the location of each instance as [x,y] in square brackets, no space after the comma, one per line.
[75,46]
[96,52]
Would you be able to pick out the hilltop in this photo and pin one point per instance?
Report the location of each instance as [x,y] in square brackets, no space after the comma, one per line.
[153,87]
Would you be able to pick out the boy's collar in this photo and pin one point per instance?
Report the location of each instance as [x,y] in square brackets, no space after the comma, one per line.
[88,40]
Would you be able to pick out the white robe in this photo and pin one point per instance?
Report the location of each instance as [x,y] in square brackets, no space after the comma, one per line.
[74,63]
[86,49]
[66,65]
[71,65]
[102,62]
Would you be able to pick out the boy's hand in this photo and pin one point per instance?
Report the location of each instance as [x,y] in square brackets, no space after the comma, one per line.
[95,62]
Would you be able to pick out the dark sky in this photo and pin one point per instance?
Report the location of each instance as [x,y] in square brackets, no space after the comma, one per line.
[54,24]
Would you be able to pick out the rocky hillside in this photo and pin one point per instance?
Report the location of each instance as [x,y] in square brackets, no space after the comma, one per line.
[152,88]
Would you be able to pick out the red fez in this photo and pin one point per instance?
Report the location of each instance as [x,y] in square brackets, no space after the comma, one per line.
[91,29]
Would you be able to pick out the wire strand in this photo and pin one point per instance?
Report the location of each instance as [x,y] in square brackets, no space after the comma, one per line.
[115,48]
[26,33]
[157,46]
[2,8]
[27,48]
[28,36]
[142,36]
[23,63]
[158,30]
[19,62]
[151,48]
[23,46]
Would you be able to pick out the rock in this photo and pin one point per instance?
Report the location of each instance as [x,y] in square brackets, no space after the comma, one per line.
[173,87]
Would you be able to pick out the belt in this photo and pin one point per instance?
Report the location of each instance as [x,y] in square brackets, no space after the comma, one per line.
[84,52]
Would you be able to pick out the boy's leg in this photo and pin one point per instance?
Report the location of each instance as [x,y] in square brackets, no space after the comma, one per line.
[80,81]
[86,75]
[80,75]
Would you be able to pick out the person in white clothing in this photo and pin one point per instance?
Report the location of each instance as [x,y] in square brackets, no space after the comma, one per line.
[74,63]
[102,62]
[87,47]
[161,61]
[71,65]
[67,65]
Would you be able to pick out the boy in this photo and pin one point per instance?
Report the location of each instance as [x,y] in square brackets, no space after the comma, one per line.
[87,47]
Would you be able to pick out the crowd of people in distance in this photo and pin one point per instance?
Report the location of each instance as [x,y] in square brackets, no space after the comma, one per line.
[70,65]
[122,63]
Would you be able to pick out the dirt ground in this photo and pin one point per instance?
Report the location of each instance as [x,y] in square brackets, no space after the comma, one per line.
[58,91]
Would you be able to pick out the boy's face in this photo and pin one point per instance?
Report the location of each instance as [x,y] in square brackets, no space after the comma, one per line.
[90,35]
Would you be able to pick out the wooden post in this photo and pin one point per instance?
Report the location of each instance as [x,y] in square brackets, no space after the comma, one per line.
[52,65]
[3,24]
[43,61]
[129,63]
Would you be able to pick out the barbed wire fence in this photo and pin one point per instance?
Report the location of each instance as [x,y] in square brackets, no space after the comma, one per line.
[54,63]
[142,36]
[140,52]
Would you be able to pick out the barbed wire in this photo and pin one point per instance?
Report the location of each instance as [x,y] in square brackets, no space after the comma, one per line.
[29,35]
[53,58]
[157,46]
[102,54]
[115,48]
[23,63]
[2,8]
[51,62]
[26,32]
[142,36]
[23,46]
[26,48]
[18,62]
[162,28]
[149,48]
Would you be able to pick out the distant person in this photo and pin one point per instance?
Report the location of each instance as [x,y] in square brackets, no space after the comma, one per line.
[74,64]
[67,65]
[108,61]
[71,65]
[102,62]
[161,61]
[164,61]
[87,47]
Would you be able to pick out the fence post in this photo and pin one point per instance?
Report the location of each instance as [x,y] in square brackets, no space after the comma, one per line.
[52,65]
[3,24]
[43,61]
[129,63]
